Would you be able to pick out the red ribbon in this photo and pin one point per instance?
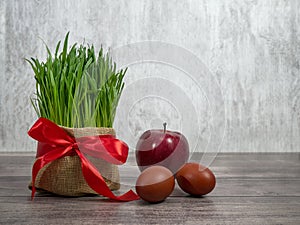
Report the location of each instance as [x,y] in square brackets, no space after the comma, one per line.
[55,143]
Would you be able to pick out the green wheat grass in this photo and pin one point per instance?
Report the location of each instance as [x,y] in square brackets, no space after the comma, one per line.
[76,87]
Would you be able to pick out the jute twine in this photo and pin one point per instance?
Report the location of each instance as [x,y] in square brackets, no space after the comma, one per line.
[64,176]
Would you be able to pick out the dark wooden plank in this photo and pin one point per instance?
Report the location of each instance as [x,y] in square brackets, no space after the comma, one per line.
[176,210]
[17,186]
[270,179]
[16,164]
[225,165]
[251,189]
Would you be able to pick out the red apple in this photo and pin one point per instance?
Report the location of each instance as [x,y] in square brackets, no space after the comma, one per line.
[162,147]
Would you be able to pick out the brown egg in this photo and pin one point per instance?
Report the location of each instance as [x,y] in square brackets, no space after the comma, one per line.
[155,184]
[195,179]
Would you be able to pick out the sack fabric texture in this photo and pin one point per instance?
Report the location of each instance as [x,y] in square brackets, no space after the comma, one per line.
[64,176]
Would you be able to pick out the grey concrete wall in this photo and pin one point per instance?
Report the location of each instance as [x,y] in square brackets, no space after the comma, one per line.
[251,47]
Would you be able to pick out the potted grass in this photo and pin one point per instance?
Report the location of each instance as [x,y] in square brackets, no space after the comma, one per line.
[77,89]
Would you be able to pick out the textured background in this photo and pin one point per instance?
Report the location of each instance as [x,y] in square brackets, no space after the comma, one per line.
[251,47]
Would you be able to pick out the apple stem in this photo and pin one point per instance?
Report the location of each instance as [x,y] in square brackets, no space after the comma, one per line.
[165,126]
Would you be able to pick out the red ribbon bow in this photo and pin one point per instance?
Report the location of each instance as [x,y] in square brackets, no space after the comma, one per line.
[56,143]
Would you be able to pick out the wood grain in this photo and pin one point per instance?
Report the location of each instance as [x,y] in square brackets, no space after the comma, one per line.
[251,189]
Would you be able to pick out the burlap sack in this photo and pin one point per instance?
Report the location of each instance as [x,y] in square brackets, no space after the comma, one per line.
[64,176]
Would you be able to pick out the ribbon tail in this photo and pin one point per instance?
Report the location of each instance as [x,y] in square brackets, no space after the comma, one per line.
[37,166]
[97,183]
[43,161]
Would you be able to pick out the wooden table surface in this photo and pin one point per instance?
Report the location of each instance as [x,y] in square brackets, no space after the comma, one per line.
[251,189]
